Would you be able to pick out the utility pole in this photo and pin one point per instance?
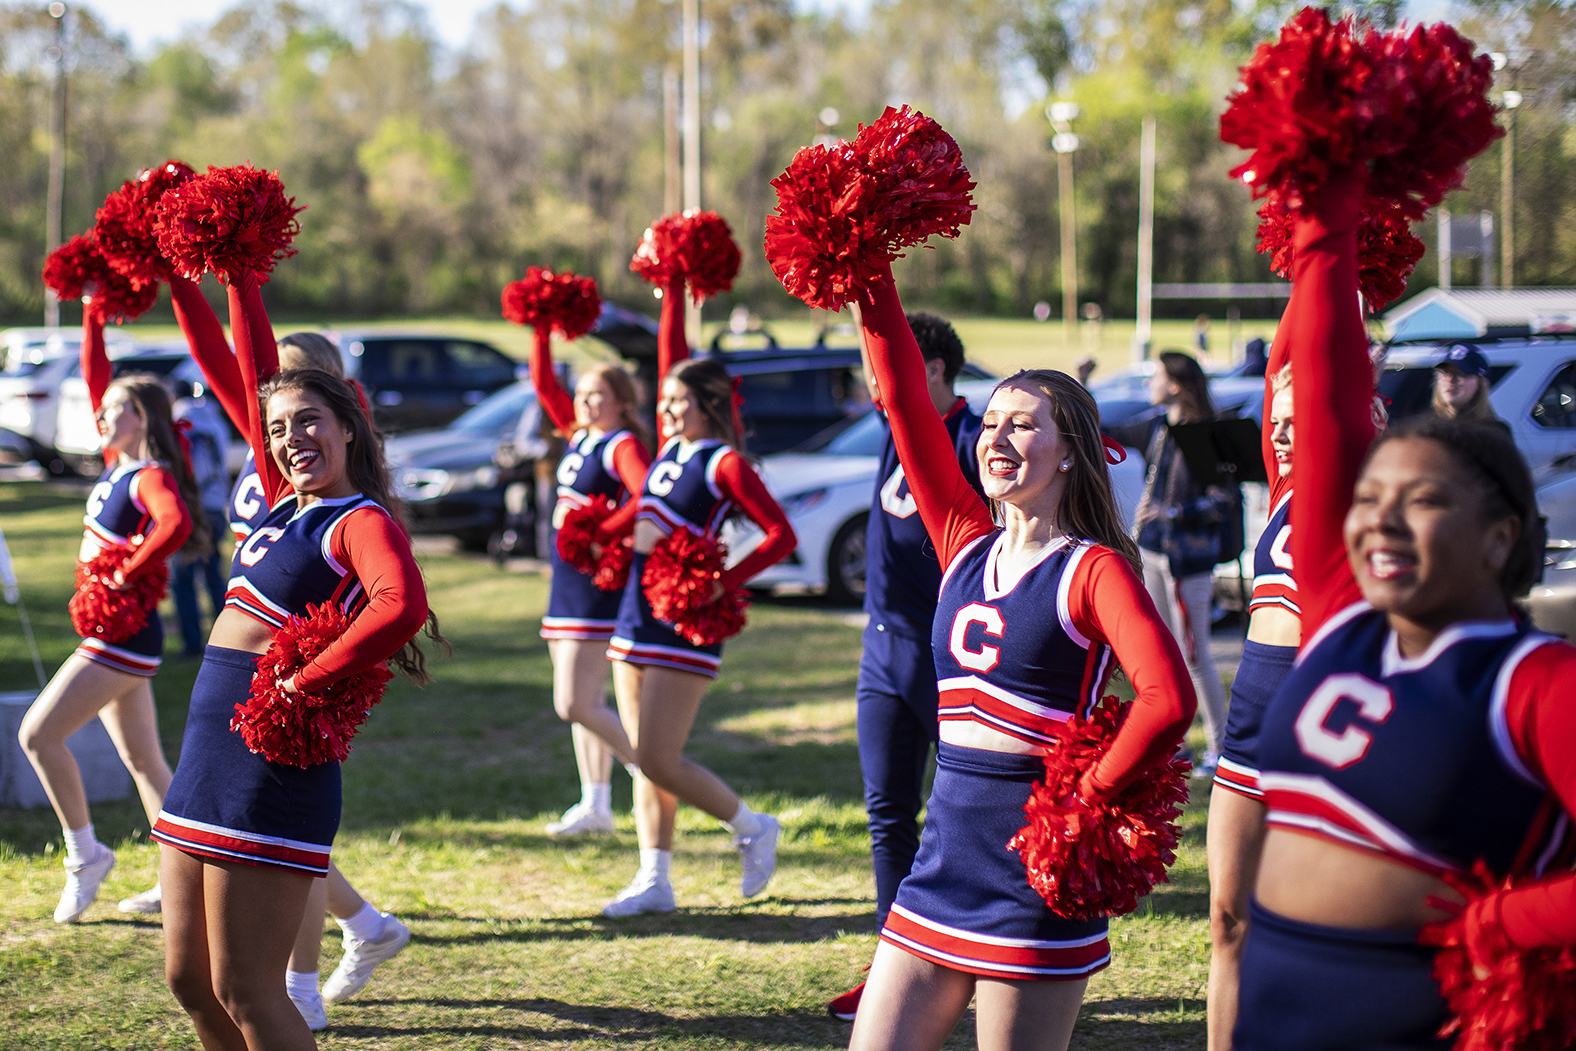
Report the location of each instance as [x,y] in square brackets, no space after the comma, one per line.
[673,165]
[1146,239]
[57,154]
[692,319]
[1064,142]
[1507,199]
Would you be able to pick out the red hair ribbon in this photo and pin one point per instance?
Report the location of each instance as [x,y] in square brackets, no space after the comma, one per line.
[1115,451]
[738,408]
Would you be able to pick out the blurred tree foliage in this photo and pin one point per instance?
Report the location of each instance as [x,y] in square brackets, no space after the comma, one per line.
[432,177]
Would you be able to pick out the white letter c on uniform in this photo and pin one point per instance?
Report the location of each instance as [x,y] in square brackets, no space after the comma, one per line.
[986,657]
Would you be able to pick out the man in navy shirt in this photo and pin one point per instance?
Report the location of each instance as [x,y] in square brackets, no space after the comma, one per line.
[897,673]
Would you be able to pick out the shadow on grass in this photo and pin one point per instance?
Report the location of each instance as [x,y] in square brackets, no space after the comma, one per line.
[711,924]
[617,1024]
[1155,1025]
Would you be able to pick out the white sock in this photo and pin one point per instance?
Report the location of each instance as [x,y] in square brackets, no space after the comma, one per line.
[364,926]
[745,823]
[656,865]
[301,984]
[80,844]
[599,797]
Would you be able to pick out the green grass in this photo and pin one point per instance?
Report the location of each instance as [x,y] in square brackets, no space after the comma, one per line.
[446,795]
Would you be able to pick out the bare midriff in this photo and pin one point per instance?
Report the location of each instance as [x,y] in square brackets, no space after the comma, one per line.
[234,630]
[1274,626]
[1315,881]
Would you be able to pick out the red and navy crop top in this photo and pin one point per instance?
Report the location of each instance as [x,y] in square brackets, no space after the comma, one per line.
[1099,601]
[1432,760]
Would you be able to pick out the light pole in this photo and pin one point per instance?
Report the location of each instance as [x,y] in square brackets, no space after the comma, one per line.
[1146,239]
[57,153]
[691,13]
[1511,100]
[1064,142]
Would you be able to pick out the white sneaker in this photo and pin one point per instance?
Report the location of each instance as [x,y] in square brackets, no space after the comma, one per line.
[759,855]
[148,902]
[580,820]
[311,1008]
[362,957]
[641,896]
[82,885]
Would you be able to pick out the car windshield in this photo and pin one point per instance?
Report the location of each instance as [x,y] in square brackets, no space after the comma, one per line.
[497,414]
[863,436]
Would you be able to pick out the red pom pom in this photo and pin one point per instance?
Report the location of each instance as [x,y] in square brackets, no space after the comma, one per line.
[578,532]
[612,569]
[78,270]
[845,211]
[1428,99]
[1387,251]
[124,226]
[1413,107]
[234,221]
[695,247]
[99,611]
[1528,999]
[680,576]
[306,728]
[1097,859]
[562,301]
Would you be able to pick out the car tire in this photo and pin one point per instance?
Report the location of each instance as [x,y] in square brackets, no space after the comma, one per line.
[845,563]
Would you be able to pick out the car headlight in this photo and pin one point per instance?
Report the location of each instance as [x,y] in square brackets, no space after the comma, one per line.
[480,478]
[801,503]
[417,483]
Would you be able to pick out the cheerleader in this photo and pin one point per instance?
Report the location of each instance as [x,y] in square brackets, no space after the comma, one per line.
[1236,807]
[146,502]
[698,480]
[966,924]
[371,937]
[607,457]
[243,836]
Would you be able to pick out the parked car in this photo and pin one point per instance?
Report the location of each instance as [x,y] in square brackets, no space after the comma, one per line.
[448,479]
[825,487]
[39,361]
[419,380]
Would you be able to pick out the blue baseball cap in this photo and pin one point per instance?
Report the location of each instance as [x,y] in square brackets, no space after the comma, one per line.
[1466,358]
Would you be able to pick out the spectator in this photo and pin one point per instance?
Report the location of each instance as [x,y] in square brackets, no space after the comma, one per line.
[210,441]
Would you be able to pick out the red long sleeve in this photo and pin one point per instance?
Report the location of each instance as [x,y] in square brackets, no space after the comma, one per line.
[555,401]
[377,550]
[739,483]
[257,358]
[631,461]
[672,344]
[157,491]
[1109,604]
[205,336]
[1332,395]
[96,371]
[953,513]
[1542,724]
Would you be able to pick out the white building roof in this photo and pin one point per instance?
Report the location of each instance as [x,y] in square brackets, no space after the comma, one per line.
[1464,313]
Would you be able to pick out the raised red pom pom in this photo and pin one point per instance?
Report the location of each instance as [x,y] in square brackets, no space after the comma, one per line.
[306,728]
[694,247]
[234,221]
[1387,251]
[1527,1001]
[562,301]
[124,226]
[1097,859]
[578,532]
[100,611]
[680,575]
[78,270]
[845,211]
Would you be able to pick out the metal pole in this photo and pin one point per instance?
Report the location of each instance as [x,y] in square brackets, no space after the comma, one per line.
[1064,188]
[1444,249]
[1146,239]
[57,154]
[692,313]
[1507,197]
[673,166]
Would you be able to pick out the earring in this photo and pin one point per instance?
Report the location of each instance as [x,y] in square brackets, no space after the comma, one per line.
[1066,467]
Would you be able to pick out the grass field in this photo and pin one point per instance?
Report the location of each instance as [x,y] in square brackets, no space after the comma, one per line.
[446,796]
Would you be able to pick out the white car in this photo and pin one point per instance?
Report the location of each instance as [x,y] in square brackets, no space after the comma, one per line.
[826,493]
[30,402]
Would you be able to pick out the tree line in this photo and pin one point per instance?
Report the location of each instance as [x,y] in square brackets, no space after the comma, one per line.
[432,176]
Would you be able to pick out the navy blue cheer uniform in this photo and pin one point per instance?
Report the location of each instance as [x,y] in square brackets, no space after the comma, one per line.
[576,607]
[1014,659]
[696,485]
[1263,667]
[897,692]
[133,505]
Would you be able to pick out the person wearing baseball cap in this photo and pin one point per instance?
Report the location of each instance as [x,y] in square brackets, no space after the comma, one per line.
[1461,384]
